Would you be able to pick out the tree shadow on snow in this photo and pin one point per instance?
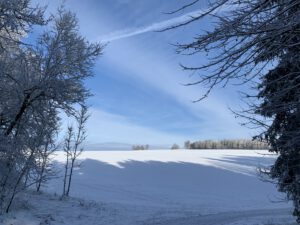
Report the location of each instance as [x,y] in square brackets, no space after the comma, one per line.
[155,183]
[249,161]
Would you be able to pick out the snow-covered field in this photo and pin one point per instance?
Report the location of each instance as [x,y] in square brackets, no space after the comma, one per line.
[178,187]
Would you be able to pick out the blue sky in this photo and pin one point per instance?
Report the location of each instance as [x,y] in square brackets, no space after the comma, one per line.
[138,93]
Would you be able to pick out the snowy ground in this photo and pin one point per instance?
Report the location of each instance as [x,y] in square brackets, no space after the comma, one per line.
[182,187]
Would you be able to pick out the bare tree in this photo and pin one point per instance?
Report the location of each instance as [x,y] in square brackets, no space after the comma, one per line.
[187,144]
[175,146]
[140,147]
[44,167]
[73,147]
[67,149]
[257,42]
[36,81]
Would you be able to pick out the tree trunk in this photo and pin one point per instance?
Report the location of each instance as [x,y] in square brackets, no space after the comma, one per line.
[19,115]
[18,182]
[66,174]
[70,176]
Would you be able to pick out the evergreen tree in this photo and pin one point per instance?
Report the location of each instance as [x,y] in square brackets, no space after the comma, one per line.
[259,41]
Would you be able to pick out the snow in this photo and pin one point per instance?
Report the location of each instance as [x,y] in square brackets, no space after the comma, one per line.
[176,187]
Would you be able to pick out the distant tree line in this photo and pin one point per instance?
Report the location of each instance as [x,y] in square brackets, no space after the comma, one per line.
[140,147]
[175,146]
[226,144]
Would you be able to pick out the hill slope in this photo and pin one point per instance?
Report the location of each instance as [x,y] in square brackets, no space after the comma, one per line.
[163,187]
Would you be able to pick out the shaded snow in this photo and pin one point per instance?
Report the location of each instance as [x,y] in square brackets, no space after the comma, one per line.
[179,187]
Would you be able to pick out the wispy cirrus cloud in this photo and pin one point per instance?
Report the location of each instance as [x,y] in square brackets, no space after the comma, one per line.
[158,26]
[130,32]
[212,118]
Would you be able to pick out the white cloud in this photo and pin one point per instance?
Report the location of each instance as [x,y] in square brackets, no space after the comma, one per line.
[107,127]
[120,34]
[148,65]
[215,119]
[104,128]
[130,32]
